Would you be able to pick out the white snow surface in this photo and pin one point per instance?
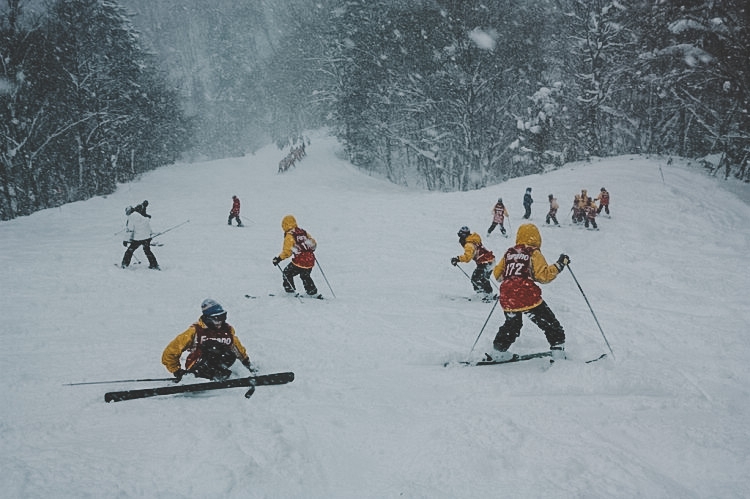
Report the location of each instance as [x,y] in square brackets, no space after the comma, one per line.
[373,412]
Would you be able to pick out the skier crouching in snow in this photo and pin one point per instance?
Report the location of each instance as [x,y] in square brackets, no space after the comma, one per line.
[519,270]
[484,258]
[300,245]
[212,347]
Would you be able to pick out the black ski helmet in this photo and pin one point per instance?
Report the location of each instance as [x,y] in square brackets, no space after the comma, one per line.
[464,231]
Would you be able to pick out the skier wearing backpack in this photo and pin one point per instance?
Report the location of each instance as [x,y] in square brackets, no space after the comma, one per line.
[499,212]
[211,344]
[300,245]
[484,258]
[521,267]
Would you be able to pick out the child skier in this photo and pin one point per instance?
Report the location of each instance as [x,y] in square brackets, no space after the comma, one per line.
[211,344]
[603,199]
[553,207]
[300,245]
[235,212]
[577,209]
[527,201]
[590,214]
[522,266]
[499,212]
[484,258]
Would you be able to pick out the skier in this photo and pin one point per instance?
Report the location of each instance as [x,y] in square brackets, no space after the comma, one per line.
[527,203]
[211,344]
[300,245]
[235,212]
[499,212]
[484,258]
[603,199]
[522,266]
[576,209]
[139,228]
[590,212]
[553,207]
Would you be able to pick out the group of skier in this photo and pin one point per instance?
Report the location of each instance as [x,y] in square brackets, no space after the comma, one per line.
[211,343]
[585,210]
[520,269]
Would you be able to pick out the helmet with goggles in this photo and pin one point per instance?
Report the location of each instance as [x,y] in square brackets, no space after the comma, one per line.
[213,311]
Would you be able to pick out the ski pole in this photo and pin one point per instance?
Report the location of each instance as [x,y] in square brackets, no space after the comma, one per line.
[482,330]
[171,228]
[324,275]
[118,381]
[592,311]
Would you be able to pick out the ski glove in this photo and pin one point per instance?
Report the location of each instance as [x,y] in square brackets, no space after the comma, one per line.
[178,374]
[276,261]
[126,243]
[250,366]
[562,262]
[454,261]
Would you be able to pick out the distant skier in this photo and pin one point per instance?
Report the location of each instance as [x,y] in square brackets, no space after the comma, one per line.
[300,245]
[235,212]
[527,203]
[603,199]
[521,267]
[211,344]
[499,212]
[590,214]
[577,209]
[553,207]
[484,258]
[139,229]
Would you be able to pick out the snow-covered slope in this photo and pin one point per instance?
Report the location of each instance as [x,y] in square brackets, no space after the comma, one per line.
[373,412]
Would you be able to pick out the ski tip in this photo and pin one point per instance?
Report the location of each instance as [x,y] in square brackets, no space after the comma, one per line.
[602,356]
[250,391]
[454,363]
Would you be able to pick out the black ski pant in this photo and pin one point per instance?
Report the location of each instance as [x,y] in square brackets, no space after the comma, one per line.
[552,217]
[232,217]
[134,245]
[292,270]
[480,278]
[527,207]
[541,315]
[495,224]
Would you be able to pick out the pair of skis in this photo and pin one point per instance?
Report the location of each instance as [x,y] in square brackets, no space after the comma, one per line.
[516,358]
[250,383]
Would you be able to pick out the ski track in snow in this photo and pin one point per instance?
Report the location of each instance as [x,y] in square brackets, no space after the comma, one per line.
[372,411]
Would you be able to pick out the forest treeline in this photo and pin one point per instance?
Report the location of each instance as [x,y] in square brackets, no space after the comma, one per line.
[446,95]
[455,95]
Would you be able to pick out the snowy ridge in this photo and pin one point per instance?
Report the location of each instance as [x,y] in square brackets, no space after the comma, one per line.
[372,411]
